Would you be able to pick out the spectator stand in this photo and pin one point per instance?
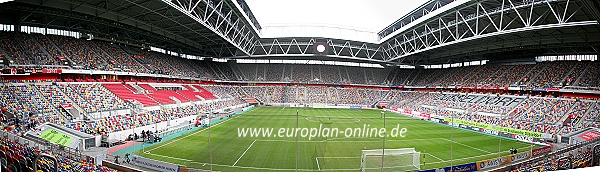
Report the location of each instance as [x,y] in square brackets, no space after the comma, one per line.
[28,155]
[570,157]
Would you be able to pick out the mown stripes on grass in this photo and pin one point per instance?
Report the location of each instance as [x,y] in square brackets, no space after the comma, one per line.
[233,153]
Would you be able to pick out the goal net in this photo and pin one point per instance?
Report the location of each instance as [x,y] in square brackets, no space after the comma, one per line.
[405,159]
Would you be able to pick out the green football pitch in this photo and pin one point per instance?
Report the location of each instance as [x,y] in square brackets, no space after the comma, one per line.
[439,145]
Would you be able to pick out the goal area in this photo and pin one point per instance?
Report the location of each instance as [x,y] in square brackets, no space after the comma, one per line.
[404,159]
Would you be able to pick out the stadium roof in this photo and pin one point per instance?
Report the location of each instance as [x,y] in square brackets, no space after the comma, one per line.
[197,27]
[436,32]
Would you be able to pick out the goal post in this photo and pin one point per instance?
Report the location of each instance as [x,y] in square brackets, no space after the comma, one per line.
[404,159]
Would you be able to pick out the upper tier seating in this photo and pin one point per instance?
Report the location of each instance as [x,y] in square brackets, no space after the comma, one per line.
[37,49]
[26,51]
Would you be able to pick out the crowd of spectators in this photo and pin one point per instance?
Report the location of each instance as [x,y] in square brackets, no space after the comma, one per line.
[480,75]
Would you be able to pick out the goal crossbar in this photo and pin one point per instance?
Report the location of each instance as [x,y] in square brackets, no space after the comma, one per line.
[404,159]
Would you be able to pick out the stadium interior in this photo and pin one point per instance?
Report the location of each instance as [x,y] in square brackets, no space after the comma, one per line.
[81,79]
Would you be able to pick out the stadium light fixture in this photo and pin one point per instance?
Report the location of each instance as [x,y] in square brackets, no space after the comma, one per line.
[320,48]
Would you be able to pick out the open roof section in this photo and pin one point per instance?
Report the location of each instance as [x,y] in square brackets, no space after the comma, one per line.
[416,13]
[356,20]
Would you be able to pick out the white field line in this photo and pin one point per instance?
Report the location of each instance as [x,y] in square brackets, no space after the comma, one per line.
[468,146]
[176,140]
[333,140]
[236,161]
[340,157]
[434,156]
[280,169]
[170,157]
[318,166]
[473,157]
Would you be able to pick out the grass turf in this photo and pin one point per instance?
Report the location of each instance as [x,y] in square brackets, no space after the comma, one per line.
[231,152]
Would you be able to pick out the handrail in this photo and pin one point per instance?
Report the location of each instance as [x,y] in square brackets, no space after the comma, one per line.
[52,158]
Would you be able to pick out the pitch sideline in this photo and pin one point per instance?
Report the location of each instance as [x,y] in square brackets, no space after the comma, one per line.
[280,169]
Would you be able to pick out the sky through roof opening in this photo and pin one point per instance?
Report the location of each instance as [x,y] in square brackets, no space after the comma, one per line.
[342,19]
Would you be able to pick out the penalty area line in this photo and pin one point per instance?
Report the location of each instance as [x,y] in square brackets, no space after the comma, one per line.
[435,157]
[318,166]
[244,153]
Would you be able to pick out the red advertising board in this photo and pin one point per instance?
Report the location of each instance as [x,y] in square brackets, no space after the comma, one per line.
[589,135]
[541,151]
[51,70]
[423,115]
[67,105]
